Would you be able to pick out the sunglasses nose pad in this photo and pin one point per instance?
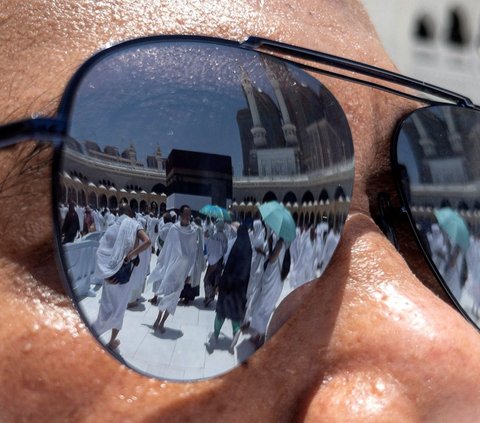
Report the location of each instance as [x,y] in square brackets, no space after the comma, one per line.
[385,218]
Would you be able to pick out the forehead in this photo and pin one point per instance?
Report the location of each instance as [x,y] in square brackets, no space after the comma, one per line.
[39,57]
[55,39]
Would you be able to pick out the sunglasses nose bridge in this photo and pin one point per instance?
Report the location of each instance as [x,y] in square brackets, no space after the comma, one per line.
[388,216]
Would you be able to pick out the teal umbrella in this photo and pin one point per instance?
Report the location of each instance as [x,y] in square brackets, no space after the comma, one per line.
[454,226]
[278,219]
[216,212]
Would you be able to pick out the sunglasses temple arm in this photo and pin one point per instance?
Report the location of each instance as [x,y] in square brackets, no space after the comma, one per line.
[47,129]
[256,43]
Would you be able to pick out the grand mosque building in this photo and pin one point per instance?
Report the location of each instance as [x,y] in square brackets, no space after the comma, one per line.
[295,149]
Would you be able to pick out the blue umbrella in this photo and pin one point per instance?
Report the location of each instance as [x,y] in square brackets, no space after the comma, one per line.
[454,226]
[216,212]
[278,219]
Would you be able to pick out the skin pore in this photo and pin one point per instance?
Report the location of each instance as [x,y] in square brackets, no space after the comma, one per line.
[371,342]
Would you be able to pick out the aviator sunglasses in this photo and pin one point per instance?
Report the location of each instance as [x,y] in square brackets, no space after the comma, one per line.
[259,150]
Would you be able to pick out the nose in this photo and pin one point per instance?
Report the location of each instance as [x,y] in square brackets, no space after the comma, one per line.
[381,342]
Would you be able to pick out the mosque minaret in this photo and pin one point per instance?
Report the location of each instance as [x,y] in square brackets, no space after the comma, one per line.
[289,129]
[454,137]
[258,131]
[425,141]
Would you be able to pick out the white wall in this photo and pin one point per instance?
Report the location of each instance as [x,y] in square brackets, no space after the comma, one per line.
[437,61]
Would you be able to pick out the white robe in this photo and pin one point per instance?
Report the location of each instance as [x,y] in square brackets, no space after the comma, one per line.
[453,274]
[162,236]
[97,218]
[438,247]
[174,264]
[163,230]
[297,250]
[81,215]
[322,231]
[271,286]
[200,262]
[152,223]
[331,243]
[63,210]
[257,240]
[139,275]
[115,244]
[472,259]
[216,247]
[306,264]
[113,304]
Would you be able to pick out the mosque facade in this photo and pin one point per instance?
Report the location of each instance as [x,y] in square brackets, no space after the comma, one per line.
[293,151]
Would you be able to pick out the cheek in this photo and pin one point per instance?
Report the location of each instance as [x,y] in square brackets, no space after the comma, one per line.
[394,333]
[52,369]
[359,396]
[26,222]
[40,352]
[25,184]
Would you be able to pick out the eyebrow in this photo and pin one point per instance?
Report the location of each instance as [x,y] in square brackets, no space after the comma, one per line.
[25,166]
[41,106]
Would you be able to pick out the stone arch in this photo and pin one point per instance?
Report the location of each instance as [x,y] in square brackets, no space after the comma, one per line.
[63,194]
[462,205]
[102,201]
[71,195]
[154,207]
[82,198]
[159,188]
[134,205]
[92,199]
[445,203]
[308,197]
[290,197]
[112,203]
[323,195]
[269,196]
[339,193]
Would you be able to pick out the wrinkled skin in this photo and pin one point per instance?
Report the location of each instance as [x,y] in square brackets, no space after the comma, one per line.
[372,341]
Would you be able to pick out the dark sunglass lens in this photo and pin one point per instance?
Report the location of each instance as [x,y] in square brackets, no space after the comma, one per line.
[260,151]
[437,156]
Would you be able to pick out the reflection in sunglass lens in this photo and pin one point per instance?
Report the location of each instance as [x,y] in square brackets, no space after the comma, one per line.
[237,167]
[437,162]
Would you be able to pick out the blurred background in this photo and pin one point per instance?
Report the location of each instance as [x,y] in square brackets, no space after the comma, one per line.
[437,41]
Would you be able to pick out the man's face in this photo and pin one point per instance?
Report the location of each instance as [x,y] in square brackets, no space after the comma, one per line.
[370,343]
[185,216]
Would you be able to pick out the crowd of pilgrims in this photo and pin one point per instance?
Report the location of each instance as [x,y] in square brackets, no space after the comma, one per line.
[459,267]
[243,266]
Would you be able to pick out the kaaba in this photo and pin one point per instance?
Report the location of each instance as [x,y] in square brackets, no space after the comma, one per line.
[199,175]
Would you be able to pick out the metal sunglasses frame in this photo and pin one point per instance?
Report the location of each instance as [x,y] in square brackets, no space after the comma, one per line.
[54,129]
